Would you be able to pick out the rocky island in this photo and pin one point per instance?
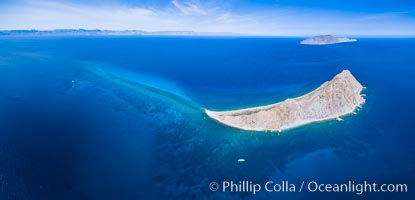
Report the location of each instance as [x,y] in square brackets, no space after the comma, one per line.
[326,39]
[333,99]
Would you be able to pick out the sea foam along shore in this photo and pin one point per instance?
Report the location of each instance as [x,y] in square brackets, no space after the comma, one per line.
[333,99]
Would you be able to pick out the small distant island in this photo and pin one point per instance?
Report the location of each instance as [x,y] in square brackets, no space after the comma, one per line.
[326,39]
[333,99]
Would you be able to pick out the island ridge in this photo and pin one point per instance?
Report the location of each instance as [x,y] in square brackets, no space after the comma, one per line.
[325,40]
[333,99]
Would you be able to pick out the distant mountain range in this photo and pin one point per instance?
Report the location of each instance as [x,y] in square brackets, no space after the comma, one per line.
[94,32]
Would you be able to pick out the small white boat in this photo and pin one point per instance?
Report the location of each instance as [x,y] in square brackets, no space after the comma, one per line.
[241,160]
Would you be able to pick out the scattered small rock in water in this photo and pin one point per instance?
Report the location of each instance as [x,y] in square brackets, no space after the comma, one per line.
[339,119]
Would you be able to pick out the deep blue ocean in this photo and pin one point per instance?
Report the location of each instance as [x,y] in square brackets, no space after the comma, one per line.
[122,117]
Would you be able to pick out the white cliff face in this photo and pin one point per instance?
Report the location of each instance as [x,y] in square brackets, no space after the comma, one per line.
[326,39]
[333,99]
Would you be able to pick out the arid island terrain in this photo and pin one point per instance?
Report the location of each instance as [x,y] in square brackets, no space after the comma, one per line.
[333,99]
[325,40]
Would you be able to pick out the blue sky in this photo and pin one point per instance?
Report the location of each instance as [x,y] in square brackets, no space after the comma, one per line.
[254,17]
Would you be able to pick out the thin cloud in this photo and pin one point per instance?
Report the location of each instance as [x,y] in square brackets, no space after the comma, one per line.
[54,15]
[189,8]
[382,16]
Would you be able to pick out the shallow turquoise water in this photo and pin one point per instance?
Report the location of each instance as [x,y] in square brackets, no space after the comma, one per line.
[122,118]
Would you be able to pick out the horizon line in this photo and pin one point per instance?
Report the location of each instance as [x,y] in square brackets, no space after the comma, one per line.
[190,33]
